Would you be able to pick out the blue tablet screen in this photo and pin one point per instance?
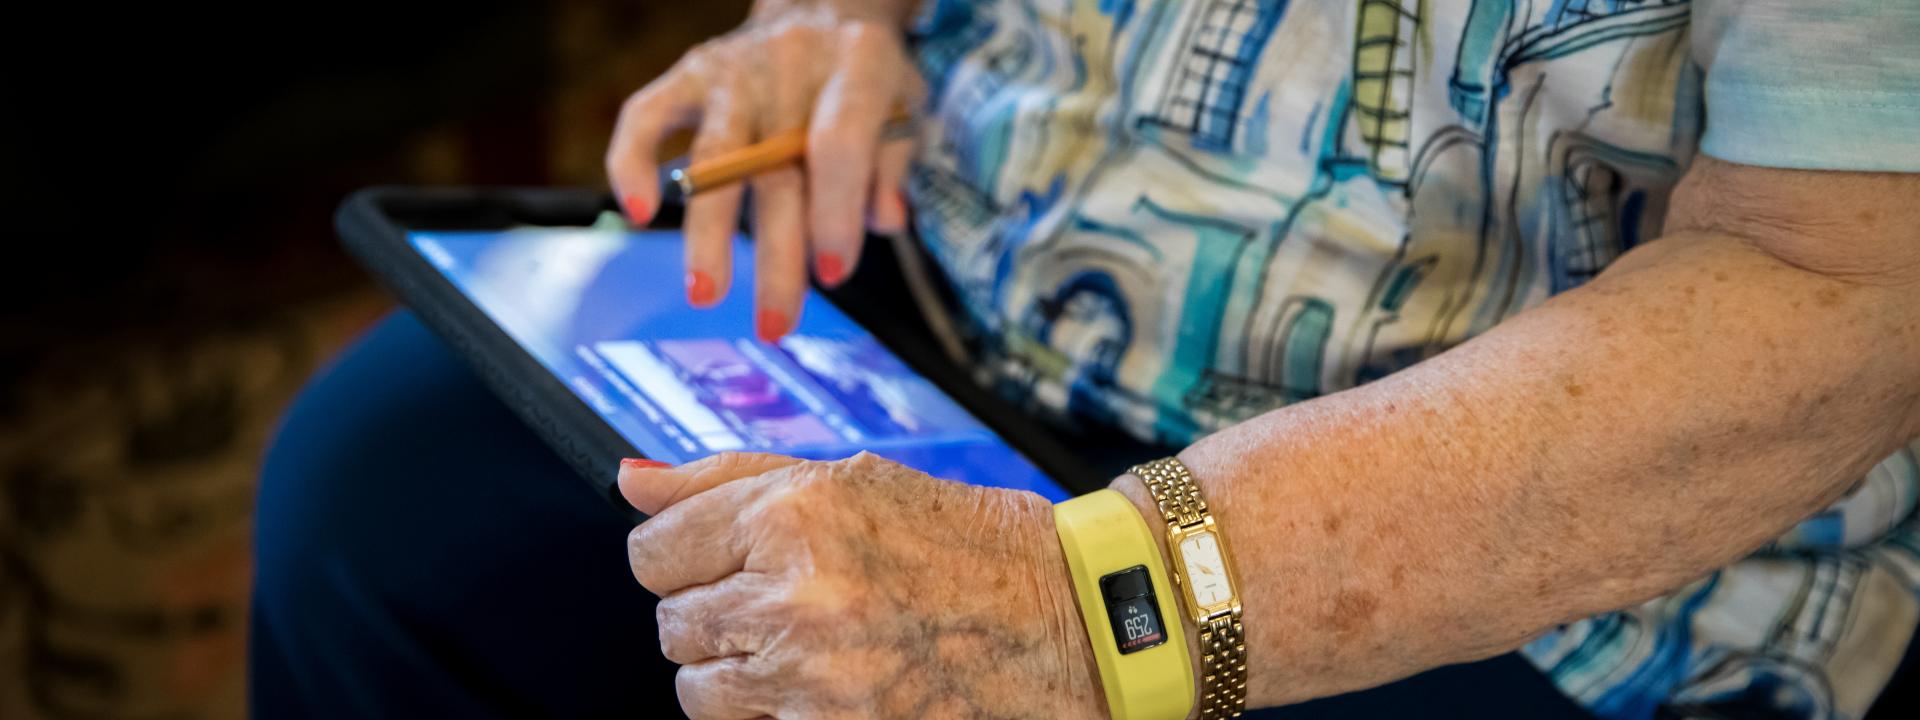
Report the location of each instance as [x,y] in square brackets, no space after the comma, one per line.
[605,312]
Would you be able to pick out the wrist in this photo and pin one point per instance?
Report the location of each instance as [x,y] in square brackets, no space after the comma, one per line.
[1136,492]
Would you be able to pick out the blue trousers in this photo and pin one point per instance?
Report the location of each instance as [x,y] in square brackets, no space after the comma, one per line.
[422,554]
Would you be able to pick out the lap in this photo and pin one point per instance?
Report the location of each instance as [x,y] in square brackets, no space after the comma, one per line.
[421,553]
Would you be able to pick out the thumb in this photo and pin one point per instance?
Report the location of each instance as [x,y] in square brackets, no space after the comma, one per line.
[652,486]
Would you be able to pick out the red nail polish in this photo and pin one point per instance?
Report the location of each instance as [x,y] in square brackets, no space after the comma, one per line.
[770,325]
[700,288]
[642,464]
[637,210]
[831,268]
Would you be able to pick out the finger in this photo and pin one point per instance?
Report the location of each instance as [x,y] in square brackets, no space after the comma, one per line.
[703,622]
[841,143]
[632,161]
[696,540]
[713,216]
[653,488]
[692,544]
[779,251]
[887,210]
[779,195]
[729,688]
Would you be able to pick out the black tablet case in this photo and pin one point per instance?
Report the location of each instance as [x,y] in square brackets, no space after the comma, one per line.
[370,225]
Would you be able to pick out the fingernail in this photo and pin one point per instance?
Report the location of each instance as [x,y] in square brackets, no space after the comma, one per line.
[700,288]
[831,268]
[770,325]
[637,210]
[642,464]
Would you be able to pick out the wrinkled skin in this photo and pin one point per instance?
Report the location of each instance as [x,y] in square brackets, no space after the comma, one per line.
[857,588]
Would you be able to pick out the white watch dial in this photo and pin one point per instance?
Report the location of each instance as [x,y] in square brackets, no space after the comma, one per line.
[1206,570]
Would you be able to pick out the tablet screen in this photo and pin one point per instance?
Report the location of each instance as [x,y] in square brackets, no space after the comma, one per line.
[606,313]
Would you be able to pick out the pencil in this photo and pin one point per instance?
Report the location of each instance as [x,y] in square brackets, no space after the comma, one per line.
[780,149]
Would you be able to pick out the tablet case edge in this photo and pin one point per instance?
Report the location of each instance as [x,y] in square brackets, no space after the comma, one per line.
[517,378]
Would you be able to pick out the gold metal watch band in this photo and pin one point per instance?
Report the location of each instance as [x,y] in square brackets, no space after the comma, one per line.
[1223,646]
[1223,663]
[1172,487]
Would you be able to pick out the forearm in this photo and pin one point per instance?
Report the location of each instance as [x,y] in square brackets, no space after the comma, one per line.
[1617,442]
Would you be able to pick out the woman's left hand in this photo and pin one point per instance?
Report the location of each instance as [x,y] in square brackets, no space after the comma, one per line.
[857,588]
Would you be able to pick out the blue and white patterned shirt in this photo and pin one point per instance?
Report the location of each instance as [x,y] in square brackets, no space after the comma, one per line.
[1171,216]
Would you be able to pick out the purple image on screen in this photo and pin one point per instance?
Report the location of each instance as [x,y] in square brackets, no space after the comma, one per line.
[757,404]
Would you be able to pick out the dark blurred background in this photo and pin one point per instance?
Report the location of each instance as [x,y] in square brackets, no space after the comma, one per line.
[171,276]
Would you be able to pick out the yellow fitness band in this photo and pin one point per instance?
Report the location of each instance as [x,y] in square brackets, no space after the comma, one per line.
[1128,607]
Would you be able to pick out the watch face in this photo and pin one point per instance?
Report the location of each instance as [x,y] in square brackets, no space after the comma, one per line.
[1206,570]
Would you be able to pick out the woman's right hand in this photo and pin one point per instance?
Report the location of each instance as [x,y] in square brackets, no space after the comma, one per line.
[837,68]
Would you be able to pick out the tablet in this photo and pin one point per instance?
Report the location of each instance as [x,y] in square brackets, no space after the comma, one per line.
[587,334]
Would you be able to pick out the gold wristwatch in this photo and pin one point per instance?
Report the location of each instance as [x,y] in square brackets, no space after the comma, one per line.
[1203,570]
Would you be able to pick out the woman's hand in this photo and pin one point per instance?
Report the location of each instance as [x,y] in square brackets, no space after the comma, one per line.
[837,68]
[857,588]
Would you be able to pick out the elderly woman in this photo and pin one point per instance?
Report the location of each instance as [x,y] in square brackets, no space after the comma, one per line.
[1585,329]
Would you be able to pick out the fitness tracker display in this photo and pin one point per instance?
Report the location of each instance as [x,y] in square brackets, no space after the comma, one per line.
[1134,610]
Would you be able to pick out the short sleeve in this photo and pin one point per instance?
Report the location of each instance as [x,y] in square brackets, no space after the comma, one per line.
[1819,85]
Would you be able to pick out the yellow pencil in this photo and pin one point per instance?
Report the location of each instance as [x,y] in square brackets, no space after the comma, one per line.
[780,149]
